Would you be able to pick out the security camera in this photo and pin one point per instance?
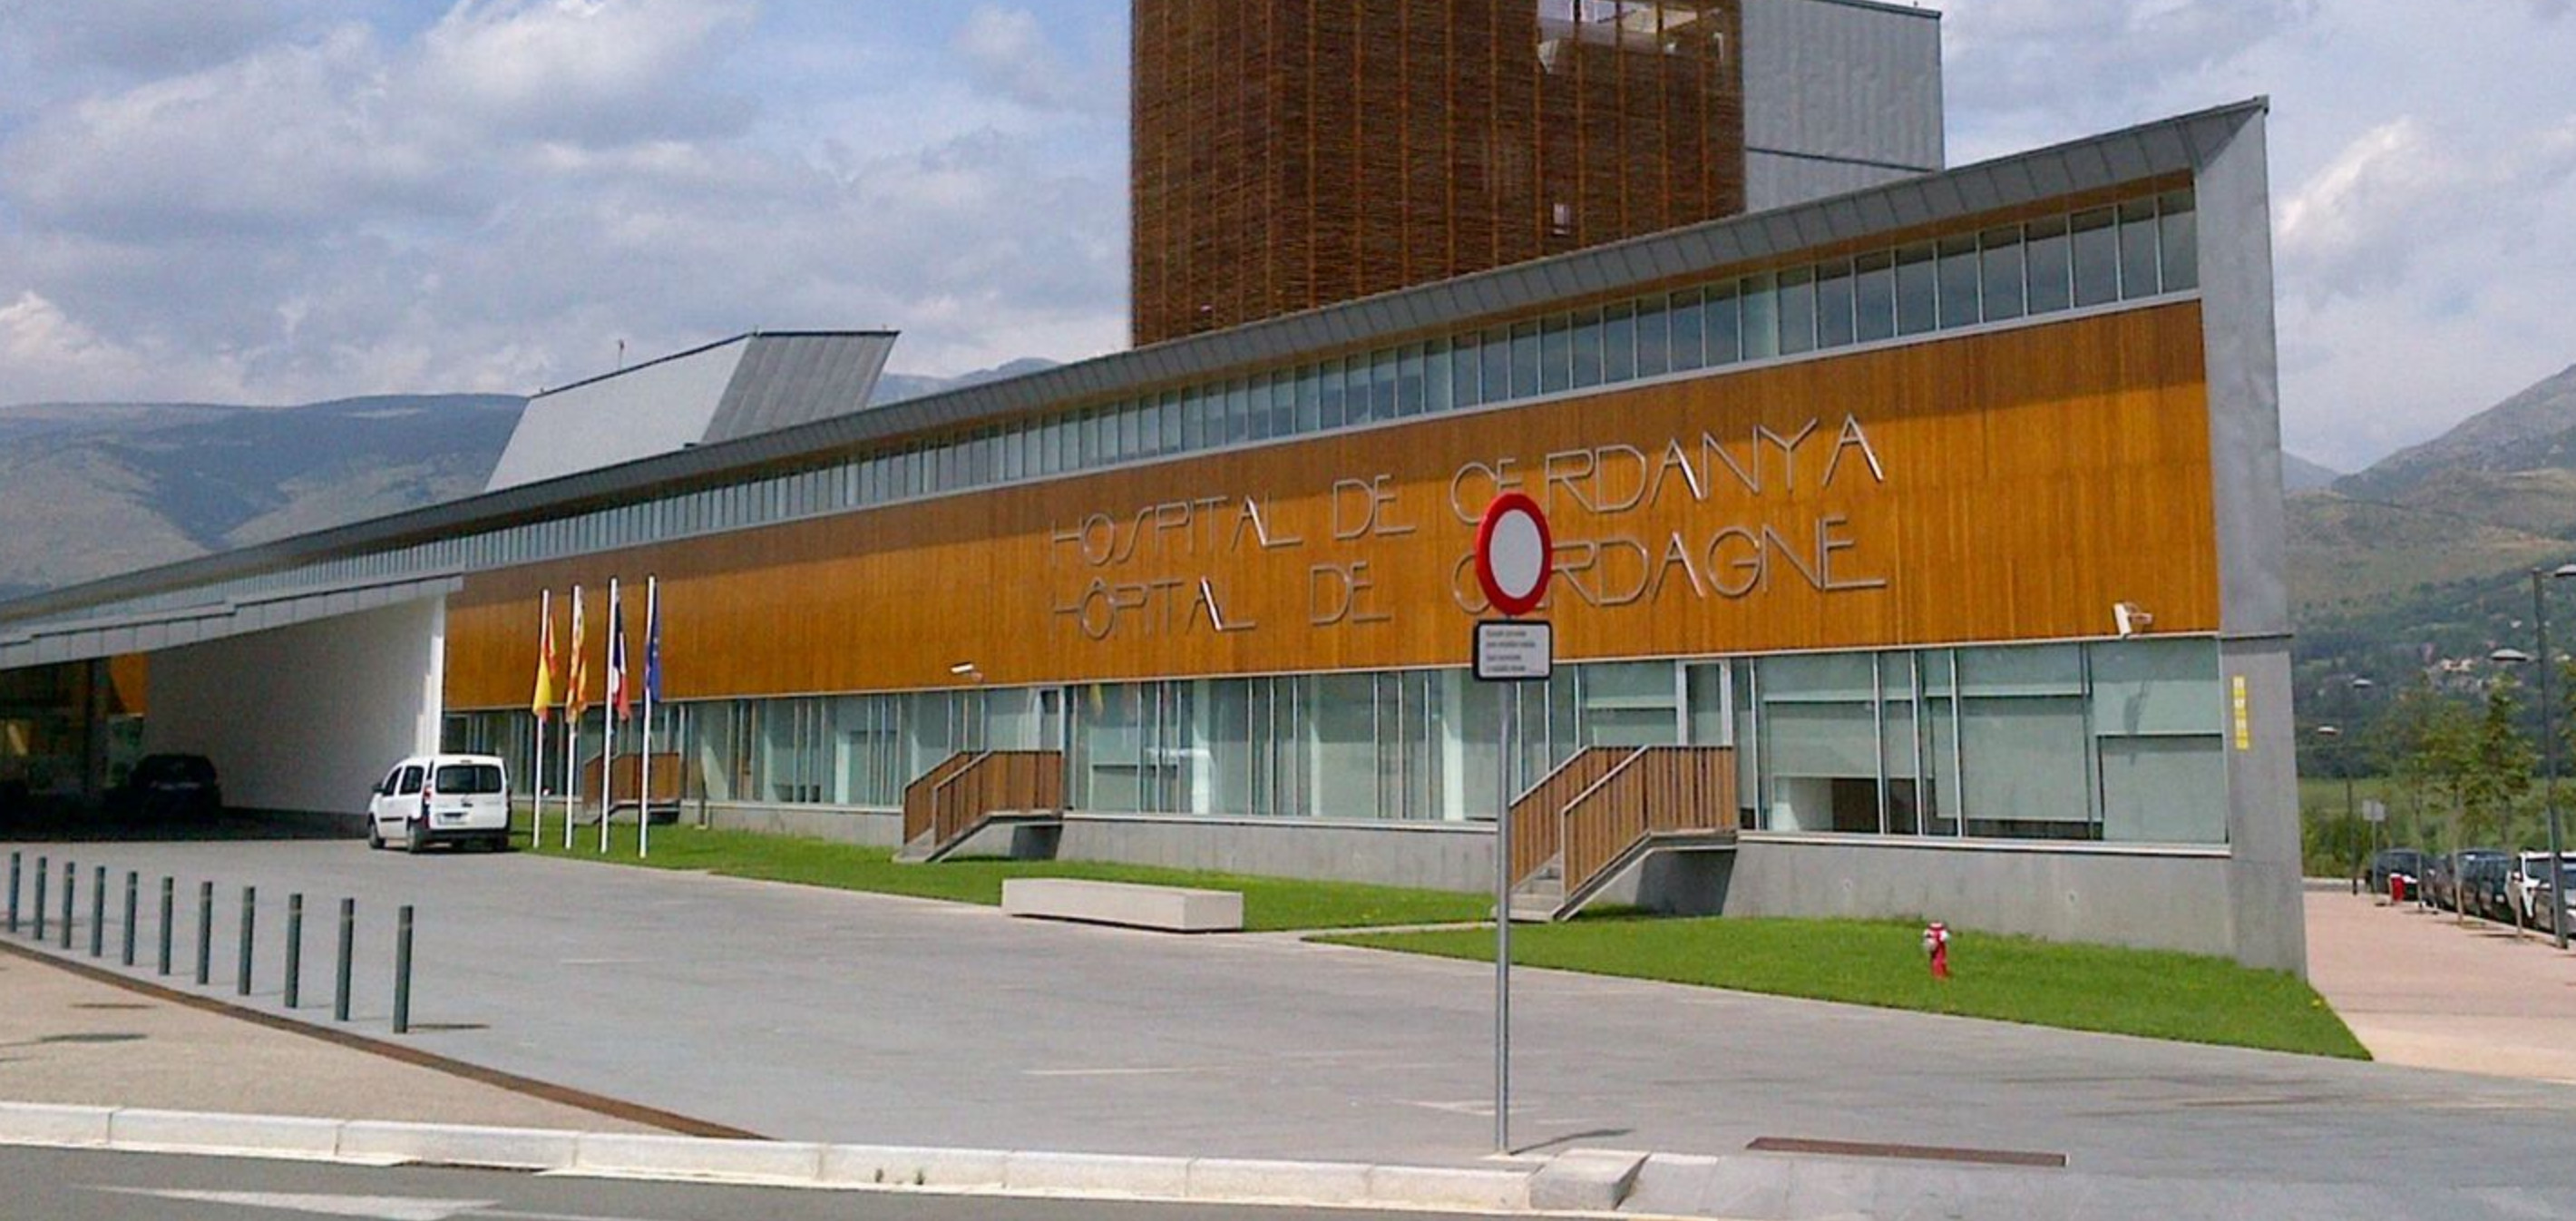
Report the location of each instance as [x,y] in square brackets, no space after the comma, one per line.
[2129,620]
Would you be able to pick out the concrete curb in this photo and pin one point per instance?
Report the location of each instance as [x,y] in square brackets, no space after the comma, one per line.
[779,1163]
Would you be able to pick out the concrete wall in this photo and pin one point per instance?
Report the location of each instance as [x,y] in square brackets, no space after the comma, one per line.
[2157,899]
[305,719]
[1838,95]
[839,824]
[1433,856]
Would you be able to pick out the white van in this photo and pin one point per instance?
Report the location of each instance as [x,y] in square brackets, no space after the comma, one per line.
[441,799]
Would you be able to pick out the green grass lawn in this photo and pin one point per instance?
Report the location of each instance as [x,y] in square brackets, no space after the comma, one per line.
[1269,904]
[2015,979]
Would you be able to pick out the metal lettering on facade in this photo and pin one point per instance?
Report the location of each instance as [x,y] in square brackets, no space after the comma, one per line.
[1174,568]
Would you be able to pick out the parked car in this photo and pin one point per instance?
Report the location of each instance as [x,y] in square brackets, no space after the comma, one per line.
[2561,889]
[2530,873]
[2486,888]
[2442,879]
[441,799]
[169,786]
[2406,865]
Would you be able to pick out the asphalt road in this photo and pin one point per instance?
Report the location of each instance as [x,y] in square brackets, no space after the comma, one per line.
[87,1185]
[818,1015]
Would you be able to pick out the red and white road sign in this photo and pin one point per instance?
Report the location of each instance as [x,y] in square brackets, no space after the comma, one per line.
[1515,554]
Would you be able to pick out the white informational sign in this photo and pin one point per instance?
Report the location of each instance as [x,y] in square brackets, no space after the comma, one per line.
[2374,810]
[1515,651]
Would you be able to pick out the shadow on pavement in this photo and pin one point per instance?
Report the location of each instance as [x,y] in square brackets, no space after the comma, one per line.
[71,825]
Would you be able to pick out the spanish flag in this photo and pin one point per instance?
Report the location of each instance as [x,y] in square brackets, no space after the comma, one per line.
[544,699]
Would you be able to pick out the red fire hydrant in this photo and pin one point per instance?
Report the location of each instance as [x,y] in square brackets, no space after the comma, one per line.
[1936,942]
[2396,888]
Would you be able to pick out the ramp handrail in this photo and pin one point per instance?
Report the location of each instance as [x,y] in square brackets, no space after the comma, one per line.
[1657,790]
[1538,822]
[956,801]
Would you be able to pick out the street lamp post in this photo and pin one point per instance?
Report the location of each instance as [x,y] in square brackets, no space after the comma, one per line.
[2549,753]
[2343,763]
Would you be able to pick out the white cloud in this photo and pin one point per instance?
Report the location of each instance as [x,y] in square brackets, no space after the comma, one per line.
[1007,52]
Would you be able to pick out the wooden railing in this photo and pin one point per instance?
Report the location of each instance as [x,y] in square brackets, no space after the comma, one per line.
[670,779]
[1657,790]
[1537,815]
[968,790]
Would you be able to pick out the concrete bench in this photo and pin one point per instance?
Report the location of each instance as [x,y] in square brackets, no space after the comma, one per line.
[1174,909]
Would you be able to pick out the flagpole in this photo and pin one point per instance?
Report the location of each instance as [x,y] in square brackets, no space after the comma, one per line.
[608,717]
[537,763]
[644,804]
[574,696]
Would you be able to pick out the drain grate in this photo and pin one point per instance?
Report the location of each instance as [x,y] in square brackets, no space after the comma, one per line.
[1912,1153]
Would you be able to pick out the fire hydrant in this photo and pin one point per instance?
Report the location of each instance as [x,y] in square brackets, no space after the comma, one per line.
[1936,943]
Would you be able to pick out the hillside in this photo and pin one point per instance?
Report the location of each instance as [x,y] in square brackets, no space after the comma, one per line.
[2300,475]
[2533,430]
[98,489]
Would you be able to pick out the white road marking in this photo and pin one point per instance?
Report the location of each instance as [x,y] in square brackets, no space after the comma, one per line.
[380,1208]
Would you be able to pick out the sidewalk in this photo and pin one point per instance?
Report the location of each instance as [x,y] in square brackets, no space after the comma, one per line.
[68,1039]
[2421,989]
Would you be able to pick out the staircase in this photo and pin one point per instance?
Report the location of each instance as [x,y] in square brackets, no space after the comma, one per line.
[967,793]
[1607,809]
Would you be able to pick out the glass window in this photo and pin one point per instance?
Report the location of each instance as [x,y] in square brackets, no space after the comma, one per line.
[2021,736]
[2051,286]
[2138,248]
[1466,372]
[1959,276]
[1439,366]
[1587,348]
[1917,298]
[1341,747]
[1688,322]
[1131,432]
[1335,394]
[1408,381]
[1761,317]
[1238,412]
[2097,257]
[1877,297]
[1494,367]
[1819,742]
[1631,704]
[1382,385]
[1797,310]
[1654,338]
[1556,354]
[2178,246]
[1723,320]
[1310,399]
[1525,360]
[1619,343]
[1834,305]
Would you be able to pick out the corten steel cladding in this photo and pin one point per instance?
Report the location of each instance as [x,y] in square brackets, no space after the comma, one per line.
[1290,154]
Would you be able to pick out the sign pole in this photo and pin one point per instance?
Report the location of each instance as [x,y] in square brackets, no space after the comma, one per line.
[1515,556]
[1506,705]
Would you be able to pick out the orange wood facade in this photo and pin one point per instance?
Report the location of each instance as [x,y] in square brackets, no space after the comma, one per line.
[2002,486]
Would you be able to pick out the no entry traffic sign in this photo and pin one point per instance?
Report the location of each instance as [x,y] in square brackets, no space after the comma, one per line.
[1515,554]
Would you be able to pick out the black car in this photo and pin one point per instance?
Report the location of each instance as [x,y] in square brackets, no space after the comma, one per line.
[2446,885]
[2404,864]
[169,786]
[2486,888]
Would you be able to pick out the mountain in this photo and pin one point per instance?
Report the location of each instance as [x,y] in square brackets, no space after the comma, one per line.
[896,387]
[2300,475]
[2533,430]
[91,490]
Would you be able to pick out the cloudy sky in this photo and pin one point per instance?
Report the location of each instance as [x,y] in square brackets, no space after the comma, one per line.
[278,201]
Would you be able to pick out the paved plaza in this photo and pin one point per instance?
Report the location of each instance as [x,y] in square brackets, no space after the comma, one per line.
[811,1014]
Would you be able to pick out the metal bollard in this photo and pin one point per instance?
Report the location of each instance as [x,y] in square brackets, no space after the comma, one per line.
[205,932]
[71,880]
[402,971]
[44,870]
[294,949]
[348,932]
[250,908]
[15,859]
[169,906]
[98,913]
[133,899]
